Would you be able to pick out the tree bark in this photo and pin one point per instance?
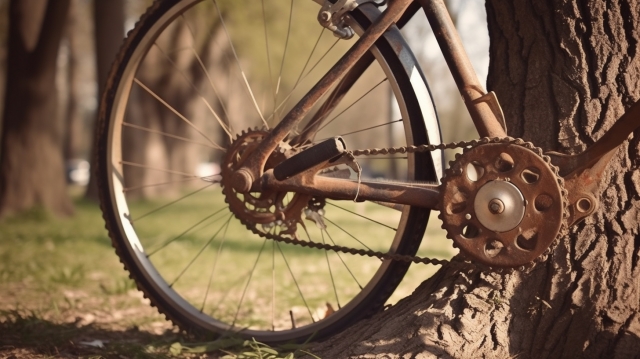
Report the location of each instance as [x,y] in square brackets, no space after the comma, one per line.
[564,72]
[108,16]
[32,169]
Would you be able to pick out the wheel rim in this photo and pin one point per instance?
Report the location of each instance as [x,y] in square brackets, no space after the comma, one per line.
[153,245]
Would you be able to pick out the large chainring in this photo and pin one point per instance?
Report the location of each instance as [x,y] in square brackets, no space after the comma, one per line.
[503,203]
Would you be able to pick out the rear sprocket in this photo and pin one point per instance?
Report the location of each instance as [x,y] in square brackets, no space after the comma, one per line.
[269,213]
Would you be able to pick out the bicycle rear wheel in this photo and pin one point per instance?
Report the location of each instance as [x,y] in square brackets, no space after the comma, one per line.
[193,79]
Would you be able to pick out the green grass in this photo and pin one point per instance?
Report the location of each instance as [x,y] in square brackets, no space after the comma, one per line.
[219,266]
[63,275]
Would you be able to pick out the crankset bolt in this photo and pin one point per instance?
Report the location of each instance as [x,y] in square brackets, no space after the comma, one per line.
[241,180]
[496,206]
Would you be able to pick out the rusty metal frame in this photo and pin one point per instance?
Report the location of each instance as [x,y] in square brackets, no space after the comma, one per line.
[582,172]
[483,108]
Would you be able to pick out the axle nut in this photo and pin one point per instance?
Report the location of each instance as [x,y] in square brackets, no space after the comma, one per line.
[241,180]
[496,206]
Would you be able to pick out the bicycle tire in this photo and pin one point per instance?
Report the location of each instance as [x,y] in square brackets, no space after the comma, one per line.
[395,59]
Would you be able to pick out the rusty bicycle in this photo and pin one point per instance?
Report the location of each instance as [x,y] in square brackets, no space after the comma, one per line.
[268,169]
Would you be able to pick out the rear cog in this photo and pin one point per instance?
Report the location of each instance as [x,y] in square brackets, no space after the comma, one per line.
[266,213]
[503,203]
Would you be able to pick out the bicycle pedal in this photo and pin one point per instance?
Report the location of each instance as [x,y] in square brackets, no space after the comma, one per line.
[324,151]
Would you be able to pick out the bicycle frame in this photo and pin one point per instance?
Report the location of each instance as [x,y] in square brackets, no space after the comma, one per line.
[483,107]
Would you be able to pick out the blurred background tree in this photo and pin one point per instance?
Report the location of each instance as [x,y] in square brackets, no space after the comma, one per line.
[109,23]
[31,162]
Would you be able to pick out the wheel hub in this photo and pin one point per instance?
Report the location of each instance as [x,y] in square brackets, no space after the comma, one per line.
[499,206]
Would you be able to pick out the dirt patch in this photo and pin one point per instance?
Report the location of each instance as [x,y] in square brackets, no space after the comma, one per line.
[71,323]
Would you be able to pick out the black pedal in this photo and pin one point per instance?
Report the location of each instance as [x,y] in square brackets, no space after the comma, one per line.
[312,156]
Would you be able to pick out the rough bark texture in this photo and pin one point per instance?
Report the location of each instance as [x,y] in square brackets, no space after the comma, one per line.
[564,71]
[31,165]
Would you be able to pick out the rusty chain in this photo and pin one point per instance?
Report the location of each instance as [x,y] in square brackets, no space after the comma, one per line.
[352,154]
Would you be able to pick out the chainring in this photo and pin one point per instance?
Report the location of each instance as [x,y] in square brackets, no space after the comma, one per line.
[503,203]
[267,213]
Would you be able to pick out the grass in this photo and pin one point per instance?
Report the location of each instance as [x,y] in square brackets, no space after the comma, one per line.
[63,284]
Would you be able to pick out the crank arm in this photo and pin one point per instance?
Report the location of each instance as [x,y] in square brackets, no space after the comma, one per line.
[582,172]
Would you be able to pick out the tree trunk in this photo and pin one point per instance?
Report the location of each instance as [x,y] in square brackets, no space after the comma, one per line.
[108,18]
[564,72]
[32,169]
[73,121]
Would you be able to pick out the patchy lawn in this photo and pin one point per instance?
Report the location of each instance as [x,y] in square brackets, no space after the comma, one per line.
[64,293]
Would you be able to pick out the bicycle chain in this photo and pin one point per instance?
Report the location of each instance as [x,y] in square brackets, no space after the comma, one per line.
[352,154]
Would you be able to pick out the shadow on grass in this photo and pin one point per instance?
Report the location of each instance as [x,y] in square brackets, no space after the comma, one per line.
[30,337]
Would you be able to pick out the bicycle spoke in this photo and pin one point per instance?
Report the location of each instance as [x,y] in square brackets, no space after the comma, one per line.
[333,282]
[213,268]
[244,77]
[138,165]
[321,58]
[273,285]
[352,104]
[128,189]
[266,41]
[166,243]
[361,216]
[146,129]
[295,281]
[215,90]
[195,88]
[226,294]
[300,78]
[342,260]
[313,50]
[199,252]
[284,53]
[369,128]
[244,292]
[172,202]
[170,108]
[347,233]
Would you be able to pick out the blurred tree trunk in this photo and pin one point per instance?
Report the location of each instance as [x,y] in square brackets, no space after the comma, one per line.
[109,33]
[73,120]
[564,72]
[31,164]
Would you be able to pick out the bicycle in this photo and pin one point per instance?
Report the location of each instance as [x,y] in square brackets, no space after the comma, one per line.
[287,175]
